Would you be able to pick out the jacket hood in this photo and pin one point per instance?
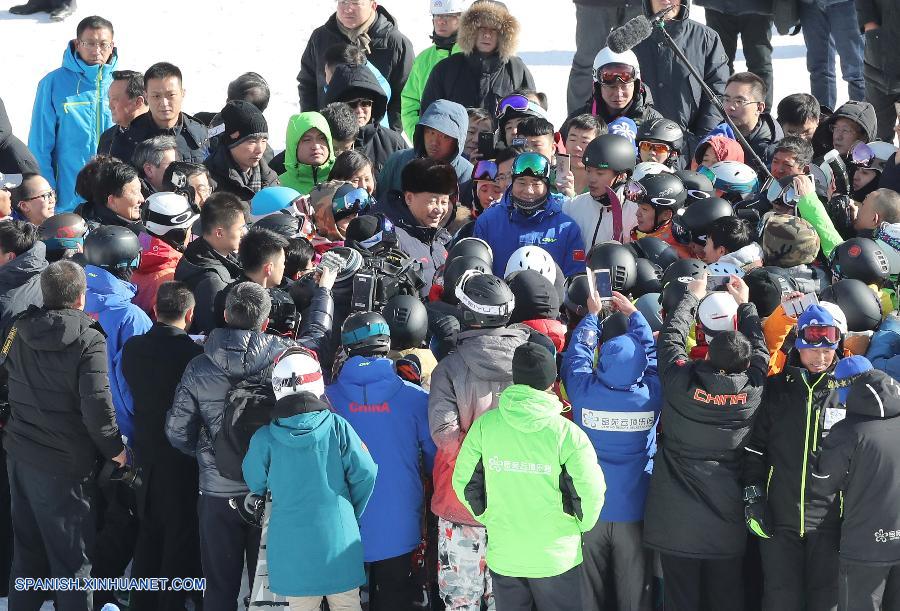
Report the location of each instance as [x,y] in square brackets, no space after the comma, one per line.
[297,126]
[714,381]
[726,149]
[156,255]
[874,394]
[550,327]
[621,363]
[302,430]
[105,291]
[18,271]
[54,330]
[239,352]
[448,118]
[489,14]
[489,352]
[527,409]
[350,82]
[374,374]
[72,61]
[861,113]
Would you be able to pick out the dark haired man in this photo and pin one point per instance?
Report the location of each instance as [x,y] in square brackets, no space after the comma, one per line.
[22,259]
[728,235]
[343,124]
[799,115]
[127,102]
[745,104]
[117,198]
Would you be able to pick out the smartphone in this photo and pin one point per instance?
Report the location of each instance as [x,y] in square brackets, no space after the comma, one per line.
[795,307]
[486,143]
[563,165]
[717,283]
[518,141]
[603,282]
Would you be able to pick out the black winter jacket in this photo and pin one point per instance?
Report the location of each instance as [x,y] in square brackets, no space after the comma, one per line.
[640,110]
[20,281]
[190,135]
[206,272]
[110,140]
[15,156]
[95,216]
[695,503]
[762,140]
[62,416]
[226,176]
[392,53]
[882,66]
[861,456]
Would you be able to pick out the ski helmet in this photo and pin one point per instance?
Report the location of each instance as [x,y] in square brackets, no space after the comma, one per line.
[649,306]
[63,232]
[662,130]
[684,270]
[448,7]
[454,272]
[112,248]
[694,222]
[733,179]
[672,294]
[698,185]
[613,326]
[660,191]
[484,300]
[724,269]
[465,231]
[531,257]
[840,319]
[576,297]
[366,332]
[647,278]
[286,225]
[857,300]
[648,168]
[471,247]
[270,200]
[351,261]
[717,312]
[654,250]
[407,319]
[168,212]
[297,370]
[606,56]
[610,151]
[619,260]
[861,259]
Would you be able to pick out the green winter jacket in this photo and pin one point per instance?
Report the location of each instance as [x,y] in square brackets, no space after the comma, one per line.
[298,175]
[411,96]
[811,209]
[532,478]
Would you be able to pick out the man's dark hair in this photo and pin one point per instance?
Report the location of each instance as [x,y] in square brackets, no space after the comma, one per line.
[730,352]
[800,148]
[757,85]
[480,114]
[151,151]
[87,176]
[586,121]
[349,163]
[62,283]
[17,236]
[730,232]
[343,53]
[23,191]
[250,87]
[111,179]
[94,22]
[429,175]
[535,126]
[161,70]
[341,120]
[134,87]
[798,108]
[259,247]
[247,306]
[221,210]
[173,300]
[505,153]
[297,256]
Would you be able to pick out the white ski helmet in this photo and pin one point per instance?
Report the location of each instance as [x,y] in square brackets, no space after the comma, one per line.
[531,257]
[733,177]
[448,7]
[167,211]
[717,312]
[607,56]
[840,319]
[297,370]
[722,268]
[646,168]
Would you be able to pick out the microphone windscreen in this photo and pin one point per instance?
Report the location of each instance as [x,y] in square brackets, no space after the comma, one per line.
[629,35]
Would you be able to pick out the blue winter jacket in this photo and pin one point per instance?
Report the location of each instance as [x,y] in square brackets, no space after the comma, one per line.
[617,403]
[321,478]
[71,110]
[506,230]
[109,301]
[391,417]
[884,349]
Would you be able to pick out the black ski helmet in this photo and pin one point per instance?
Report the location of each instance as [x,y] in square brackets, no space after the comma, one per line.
[112,248]
[471,247]
[614,325]
[698,186]
[648,278]
[407,319]
[484,300]
[654,250]
[576,295]
[366,332]
[663,191]
[619,260]
[286,225]
[63,232]
[857,301]
[683,270]
[455,271]
[649,306]
[694,222]
[465,231]
[859,259]
[662,130]
[610,152]
[672,294]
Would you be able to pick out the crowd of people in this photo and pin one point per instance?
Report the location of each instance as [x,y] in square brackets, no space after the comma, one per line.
[440,353]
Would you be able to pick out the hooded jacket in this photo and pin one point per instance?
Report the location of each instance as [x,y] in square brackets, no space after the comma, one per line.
[321,477]
[301,176]
[464,385]
[411,96]
[109,299]
[617,404]
[475,79]
[525,449]
[206,272]
[391,417]
[191,138]
[378,142]
[640,108]
[881,67]
[71,110]
[62,415]
[595,218]
[15,158]
[20,281]
[861,113]
[506,229]
[884,349]
[226,174]
[158,263]
[695,504]
[725,149]
[448,118]
[392,53]
[861,457]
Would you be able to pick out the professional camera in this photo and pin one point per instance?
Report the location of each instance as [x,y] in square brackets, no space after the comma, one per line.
[111,472]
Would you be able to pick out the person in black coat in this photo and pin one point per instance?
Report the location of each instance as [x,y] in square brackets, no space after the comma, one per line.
[168,541]
[880,21]
[372,29]
[15,157]
[487,68]
[20,276]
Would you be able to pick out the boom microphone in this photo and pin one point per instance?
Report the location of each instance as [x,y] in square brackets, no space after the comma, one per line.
[629,35]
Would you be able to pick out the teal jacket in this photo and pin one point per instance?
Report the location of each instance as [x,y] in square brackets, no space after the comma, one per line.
[71,110]
[411,96]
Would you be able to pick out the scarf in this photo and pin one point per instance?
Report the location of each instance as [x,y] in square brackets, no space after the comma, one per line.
[444,42]
[359,36]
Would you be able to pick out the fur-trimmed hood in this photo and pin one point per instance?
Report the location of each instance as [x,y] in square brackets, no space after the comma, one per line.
[491,14]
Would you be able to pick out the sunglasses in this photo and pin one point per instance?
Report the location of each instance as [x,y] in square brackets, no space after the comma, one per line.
[352,202]
[656,148]
[610,74]
[819,335]
[531,164]
[364,102]
[485,170]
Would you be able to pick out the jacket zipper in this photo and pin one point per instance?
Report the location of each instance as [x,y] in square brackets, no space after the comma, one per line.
[809,396]
[98,101]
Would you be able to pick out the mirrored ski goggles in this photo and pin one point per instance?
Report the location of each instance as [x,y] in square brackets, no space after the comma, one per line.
[531,164]
[862,156]
[610,74]
[655,148]
[635,192]
[786,194]
[815,335]
[352,202]
[515,102]
[485,170]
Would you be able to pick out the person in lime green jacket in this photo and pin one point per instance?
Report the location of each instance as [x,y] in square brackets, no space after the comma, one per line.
[811,208]
[308,152]
[531,477]
[445,17]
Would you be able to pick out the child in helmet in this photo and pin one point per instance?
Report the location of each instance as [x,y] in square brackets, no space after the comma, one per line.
[660,140]
[714,149]
[659,197]
[407,318]
[867,162]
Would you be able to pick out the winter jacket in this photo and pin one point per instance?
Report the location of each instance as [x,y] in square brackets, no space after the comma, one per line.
[15,158]
[677,95]
[531,452]
[695,504]
[109,138]
[62,416]
[191,137]
[617,403]
[423,244]
[506,229]
[738,8]
[411,96]
[812,210]
[640,108]
[392,53]
[664,233]
[391,418]
[861,457]
[725,149]
[881,67]
[158,263]
[595,218]
[71,110]
[884,349]
[206,272]
[448,118]
[803,278]
[321,477]
[766,133]
[20,281]
[226,175]
[464,385]
[96,215]
[301,176]
[109,300]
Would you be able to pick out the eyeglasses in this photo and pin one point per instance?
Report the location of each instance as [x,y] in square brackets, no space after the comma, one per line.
[364,102]
[351,202]
[656,148]
[90,44]
[610,74]
[446,17]
[48,197]
[531,164]
[817,335]
[738,102]
[485,170]
[351,3]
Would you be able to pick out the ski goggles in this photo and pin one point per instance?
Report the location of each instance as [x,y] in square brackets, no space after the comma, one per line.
[635,192]
[786,194]
[519,103]
[352,202]
[863,156]
[531,164]
[363,333]
[610,74]
[819,335]
[655,148]
[485,170]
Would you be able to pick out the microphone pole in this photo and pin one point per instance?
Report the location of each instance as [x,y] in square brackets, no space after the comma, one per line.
[658,20]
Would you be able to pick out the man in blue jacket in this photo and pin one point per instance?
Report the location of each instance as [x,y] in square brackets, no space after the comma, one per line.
[617,403]
[391,417]
[529,214]
[71,108]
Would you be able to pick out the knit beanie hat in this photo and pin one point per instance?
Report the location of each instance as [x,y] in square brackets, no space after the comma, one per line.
[788,241]
[242,120]
[846,371]
[534,365]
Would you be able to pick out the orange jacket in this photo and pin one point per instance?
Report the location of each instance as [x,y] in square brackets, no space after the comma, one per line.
[664,233]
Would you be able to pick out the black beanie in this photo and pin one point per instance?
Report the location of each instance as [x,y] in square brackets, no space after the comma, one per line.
[765,291]
[535,296]
[242,120]
[363,227]
[534,365]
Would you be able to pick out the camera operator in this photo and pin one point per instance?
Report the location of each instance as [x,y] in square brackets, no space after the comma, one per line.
[61,418]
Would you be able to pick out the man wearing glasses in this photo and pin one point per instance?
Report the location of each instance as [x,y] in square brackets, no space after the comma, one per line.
[71,108]
[744,102]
